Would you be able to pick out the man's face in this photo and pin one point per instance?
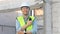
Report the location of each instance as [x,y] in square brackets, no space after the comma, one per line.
[25,10]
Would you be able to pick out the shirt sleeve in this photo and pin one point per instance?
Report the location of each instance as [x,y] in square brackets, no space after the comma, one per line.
[34,30]
[17,26]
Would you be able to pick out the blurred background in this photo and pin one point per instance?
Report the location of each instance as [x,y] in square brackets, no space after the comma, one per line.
[47,13]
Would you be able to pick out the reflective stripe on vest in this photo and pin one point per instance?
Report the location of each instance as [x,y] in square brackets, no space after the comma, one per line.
[22,23]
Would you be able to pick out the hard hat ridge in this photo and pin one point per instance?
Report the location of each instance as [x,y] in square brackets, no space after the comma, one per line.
[25,4]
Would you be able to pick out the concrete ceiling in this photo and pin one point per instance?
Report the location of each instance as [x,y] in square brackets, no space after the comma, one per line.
[10,4]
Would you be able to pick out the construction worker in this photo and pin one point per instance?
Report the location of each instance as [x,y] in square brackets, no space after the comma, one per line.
[26,24]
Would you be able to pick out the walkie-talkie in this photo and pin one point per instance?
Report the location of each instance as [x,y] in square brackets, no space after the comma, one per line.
[30,19]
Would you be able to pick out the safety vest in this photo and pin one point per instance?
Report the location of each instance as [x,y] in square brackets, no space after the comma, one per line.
[22,22]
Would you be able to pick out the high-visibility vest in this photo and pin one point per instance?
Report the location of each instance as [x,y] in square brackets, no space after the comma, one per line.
[22,22]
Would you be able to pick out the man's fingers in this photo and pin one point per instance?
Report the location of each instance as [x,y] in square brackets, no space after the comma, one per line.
[20,32]
[28,32]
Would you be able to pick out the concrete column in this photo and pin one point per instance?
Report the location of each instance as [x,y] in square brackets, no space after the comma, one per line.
[56,16]
[48,17]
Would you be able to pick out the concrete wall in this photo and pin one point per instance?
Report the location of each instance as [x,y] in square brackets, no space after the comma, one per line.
[7,23]
[56,16]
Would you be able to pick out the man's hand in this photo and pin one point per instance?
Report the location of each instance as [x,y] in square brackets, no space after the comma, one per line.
[26,25]
[28,32]
[29,23]
[20,32]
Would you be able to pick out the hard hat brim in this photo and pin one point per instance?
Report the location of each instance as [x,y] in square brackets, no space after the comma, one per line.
[25,6]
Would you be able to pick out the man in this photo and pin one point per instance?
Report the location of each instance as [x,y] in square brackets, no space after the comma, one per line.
[26,24]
